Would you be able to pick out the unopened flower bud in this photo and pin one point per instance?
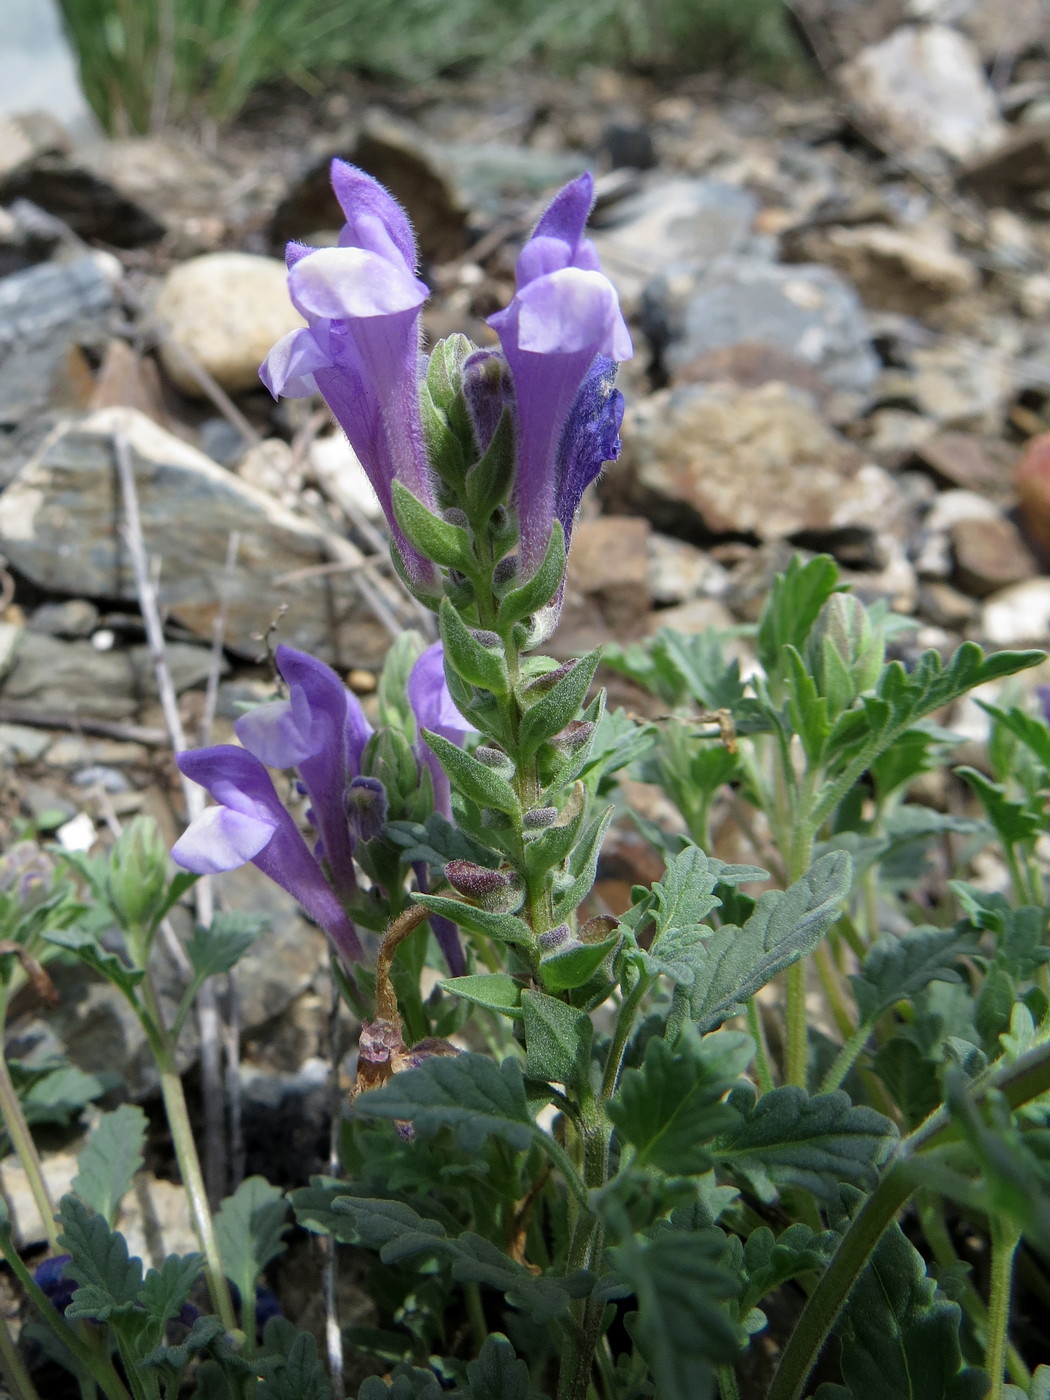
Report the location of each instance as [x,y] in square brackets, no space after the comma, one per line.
[455,516]
[495,759]
[548,680]
[539,818]
[366,808]
[573,737]
[844,651]
[505,575]
[498,891]
[555,940]
[27,872]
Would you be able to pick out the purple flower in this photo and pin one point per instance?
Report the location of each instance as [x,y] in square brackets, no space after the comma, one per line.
[321,731]
[433,708]
[564,314]
[360,347]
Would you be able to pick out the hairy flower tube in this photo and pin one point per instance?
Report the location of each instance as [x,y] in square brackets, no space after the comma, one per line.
[360,348]
[321,732]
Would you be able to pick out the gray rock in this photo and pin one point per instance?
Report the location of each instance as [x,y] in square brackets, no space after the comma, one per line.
[22,744]
[189,507]
[679,572]
[672,222]
[923,88]
[712,460]
[75,678]
[1018,616]
[989,555]
[75,617]
[70,190]
[42,310]
[1015,169]
[806,312]
[905,270]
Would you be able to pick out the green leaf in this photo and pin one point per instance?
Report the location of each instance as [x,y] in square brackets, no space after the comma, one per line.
[220,947]
[1015,822]
[899,1337]
[557,1039]
[680,1328]
[571,890]
[90,952]
[109,1279]
[497,1374]
[671,1106]
[468,1093]
[795,598]
[437,841]
[294,1371]
[489,480]
[807,709]
[785,926]
[898,967]
[787,1138]
[249,1227]
[164,1290]
[173,1360]
[685,895]
[505,928]
[475,780]
[437,539]
[495,991]
[1032,732]
[770,1261]
[109,1159]
[559,705]
[537,591]
[574,966]
[471,659]
[400,1233]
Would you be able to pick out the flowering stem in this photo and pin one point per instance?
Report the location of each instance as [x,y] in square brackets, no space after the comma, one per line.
[386,998]
[1005,1239]
[21,1139]
[22,1387]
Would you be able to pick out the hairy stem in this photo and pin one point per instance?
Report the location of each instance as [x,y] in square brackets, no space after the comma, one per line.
[13,1367]
[21,1139]
[1005,1239]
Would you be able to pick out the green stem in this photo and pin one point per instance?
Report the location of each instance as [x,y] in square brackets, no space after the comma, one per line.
[18,1378]
[1005,1239]
[763,1071]
[727,1386]
[846,1058]
[196,1193]
[797,1028]
[1019,1082]
[18,1131]
[624,1023]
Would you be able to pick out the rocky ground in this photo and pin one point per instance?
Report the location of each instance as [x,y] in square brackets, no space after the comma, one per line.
[840,299]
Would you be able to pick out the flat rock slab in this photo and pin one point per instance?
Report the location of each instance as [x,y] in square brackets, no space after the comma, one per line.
[62,516]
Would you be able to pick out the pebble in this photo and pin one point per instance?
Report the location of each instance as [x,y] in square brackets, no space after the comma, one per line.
[1019,615]
[678,572]
[1032,483]
[226,310]
[989,555]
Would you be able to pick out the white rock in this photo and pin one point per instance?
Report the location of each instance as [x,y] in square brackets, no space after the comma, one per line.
[226,310]
[678,571]
[340,473]
[1019,615]
[923,87]
[950,507]
[77,834]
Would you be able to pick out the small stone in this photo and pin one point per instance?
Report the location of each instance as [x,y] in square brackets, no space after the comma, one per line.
[679,572]
[39,800]
[944,606]
[1014,170]
[894,433]
[806,312]
[75,617]
[697,615]
[99,775]
[1032,483]
[78,834]
[607,584]
[963,387]
[23,744]
[226,310]
[1018,616]
[894,269]
[924,87]
[362,682]
[222,442]
[712,460]
[982,465]
[989,555]
[270,466]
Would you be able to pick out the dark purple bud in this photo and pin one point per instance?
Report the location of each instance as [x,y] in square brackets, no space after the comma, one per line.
[485,638]
[542,684]
[597,930]
[475,881]
[539,818]
[573,737]
[495,759]
[505,574]
[555,939]
[366,808]
[455,516]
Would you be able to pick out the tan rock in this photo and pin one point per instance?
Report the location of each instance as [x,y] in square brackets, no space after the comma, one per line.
[226,310]
[989,555]
[1032,482]
[897,269]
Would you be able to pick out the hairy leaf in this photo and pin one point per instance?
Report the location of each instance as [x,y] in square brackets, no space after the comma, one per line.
[496,991]
[899,1337]
[90,951]
[787,1138]
[785,926]
[109,1159]
[795,598]
[109,1279]
[173,1360]
[164,1290]
[899,967]
[468,1093]
[292,1370]
[557,1039]
[250,1226]
[497,1374]
[671,1106]
[221,946]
